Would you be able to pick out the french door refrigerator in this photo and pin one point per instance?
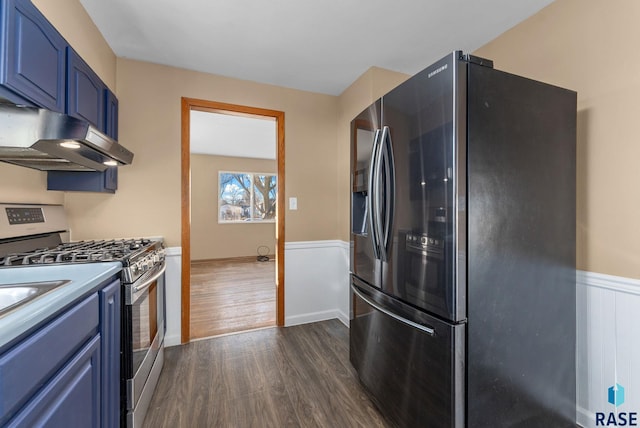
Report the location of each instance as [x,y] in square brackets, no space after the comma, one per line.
[463,249]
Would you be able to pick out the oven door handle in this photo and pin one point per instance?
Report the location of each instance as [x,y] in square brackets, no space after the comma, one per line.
[135,290]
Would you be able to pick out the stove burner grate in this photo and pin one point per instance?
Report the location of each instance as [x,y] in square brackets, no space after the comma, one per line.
[80,252]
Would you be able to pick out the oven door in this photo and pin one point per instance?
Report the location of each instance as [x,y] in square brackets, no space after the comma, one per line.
[143,337]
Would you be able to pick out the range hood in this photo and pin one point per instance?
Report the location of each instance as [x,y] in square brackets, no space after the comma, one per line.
[50,141]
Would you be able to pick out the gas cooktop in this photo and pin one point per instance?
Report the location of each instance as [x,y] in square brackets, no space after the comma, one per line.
[123,250]
[32,235]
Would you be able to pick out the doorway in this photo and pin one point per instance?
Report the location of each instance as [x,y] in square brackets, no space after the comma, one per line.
[194,106]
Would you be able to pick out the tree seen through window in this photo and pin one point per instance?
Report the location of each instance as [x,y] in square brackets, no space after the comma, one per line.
[246,196]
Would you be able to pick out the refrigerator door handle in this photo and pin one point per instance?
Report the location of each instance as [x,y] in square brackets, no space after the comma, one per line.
[373,195]
[378,194]
[389,189]
[425,329]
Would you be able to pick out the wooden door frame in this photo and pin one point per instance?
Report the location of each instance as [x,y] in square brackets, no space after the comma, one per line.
[189,104]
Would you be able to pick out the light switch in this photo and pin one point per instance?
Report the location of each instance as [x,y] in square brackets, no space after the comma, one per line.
[293,203]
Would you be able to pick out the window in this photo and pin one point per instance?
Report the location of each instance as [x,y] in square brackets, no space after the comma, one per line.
[246,197]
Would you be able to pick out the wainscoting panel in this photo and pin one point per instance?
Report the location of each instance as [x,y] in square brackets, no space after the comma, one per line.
[316,281]
[316,284]
[173,285]
[608,348]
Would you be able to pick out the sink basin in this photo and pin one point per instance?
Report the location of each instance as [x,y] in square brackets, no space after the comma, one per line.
[14,295]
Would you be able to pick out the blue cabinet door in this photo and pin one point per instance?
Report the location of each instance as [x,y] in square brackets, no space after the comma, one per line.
[67,373]
[110,331]
[33,56]
[88,98]
[72,398]
[81,181]
[34,361]
[111,117]
[85,91]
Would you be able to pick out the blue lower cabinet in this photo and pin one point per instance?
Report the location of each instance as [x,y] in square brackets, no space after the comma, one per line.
[105,182]
[72,398]
[110,313]
[67,372]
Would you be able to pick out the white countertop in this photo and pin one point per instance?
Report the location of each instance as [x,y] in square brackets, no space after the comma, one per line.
[83,277]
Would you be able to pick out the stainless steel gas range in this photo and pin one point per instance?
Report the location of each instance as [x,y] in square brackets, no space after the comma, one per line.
[35,234]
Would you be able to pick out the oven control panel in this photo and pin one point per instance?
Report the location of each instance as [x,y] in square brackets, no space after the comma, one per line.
[143,264]
[24,215]
[24,220]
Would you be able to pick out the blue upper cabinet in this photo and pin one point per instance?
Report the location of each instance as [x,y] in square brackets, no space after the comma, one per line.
[85,91]
[39,68]
[111,115]
[33,56]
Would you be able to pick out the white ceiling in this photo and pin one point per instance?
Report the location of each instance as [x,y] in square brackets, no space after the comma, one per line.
[319,46]
[229,135]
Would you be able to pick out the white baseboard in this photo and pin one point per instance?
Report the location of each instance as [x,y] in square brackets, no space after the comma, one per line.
[315,317]
[173,340]
[343,318]
[311,317]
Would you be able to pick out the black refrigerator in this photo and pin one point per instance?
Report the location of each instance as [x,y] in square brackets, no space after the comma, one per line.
[463,228]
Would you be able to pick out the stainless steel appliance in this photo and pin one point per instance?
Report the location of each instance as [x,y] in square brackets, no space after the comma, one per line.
[51,141]
[34,234]
[463,249]
[143,328]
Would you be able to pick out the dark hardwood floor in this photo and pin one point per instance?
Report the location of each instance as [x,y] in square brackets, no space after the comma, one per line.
[232,295]
[278,377]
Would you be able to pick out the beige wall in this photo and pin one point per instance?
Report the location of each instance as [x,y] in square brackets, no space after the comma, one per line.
[148,198]
[209,239]
[588,46]
[24,185]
